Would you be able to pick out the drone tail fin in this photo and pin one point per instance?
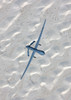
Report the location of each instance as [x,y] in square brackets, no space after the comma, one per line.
[27,52]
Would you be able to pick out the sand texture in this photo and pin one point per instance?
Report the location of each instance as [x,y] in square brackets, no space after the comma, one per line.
[48,77]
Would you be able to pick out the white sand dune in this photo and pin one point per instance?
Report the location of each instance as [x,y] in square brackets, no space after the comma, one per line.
[48,77]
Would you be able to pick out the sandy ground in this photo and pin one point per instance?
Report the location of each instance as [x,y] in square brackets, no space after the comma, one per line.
[48,77]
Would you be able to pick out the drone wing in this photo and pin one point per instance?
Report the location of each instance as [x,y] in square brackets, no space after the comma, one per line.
[33,51]
[40,34]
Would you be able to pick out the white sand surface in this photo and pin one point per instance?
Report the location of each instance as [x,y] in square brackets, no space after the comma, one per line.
[48,77]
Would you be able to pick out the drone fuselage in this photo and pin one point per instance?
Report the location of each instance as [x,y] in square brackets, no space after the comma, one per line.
[41,52]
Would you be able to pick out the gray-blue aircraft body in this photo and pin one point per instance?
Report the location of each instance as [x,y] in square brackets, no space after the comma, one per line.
[35,50]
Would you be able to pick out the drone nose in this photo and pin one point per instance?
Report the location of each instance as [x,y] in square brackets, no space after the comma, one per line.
[43,53]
